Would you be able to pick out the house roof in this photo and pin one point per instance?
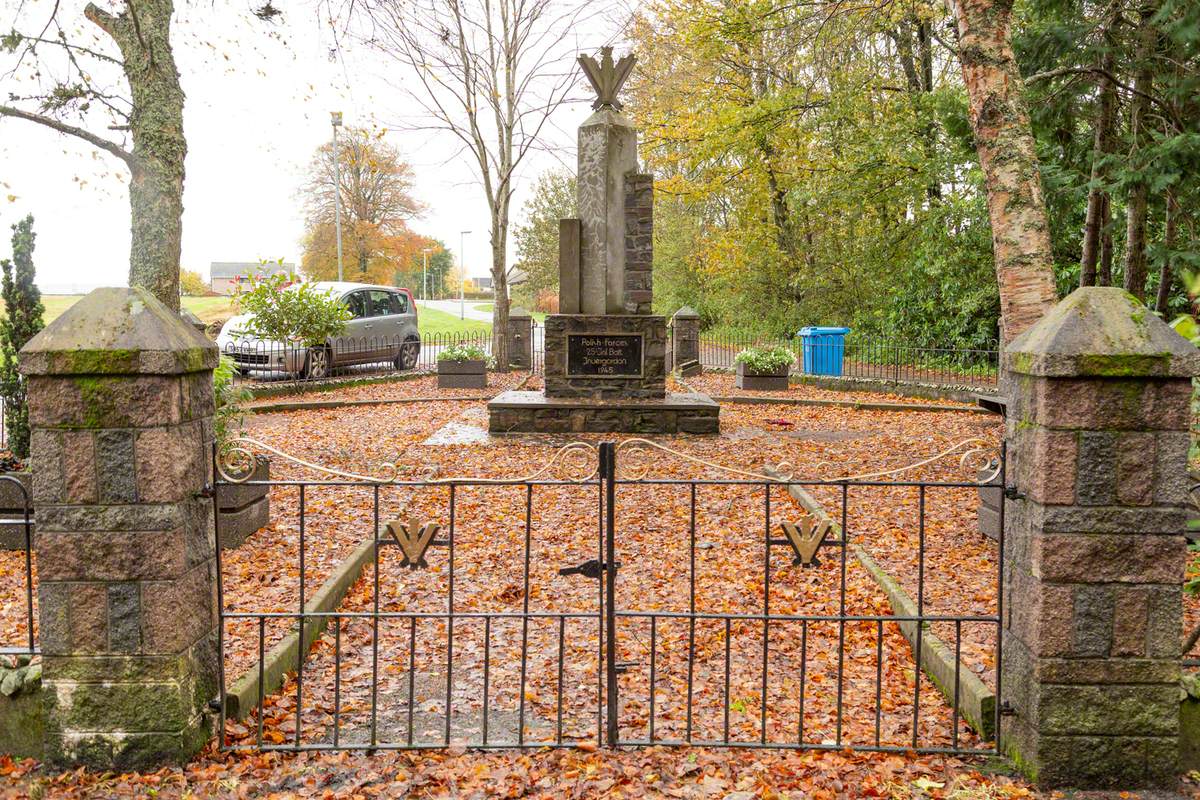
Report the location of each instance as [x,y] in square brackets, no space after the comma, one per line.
[234,269]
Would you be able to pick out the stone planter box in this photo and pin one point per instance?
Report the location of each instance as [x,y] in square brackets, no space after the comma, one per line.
[462,374]
[776,381]
[244,509]
[12,510]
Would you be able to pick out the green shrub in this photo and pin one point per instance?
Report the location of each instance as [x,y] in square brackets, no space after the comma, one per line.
[465,352]
[765,359]
[298,313]
[229,396]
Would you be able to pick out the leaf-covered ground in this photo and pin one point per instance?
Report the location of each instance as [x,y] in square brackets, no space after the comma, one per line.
[654,549]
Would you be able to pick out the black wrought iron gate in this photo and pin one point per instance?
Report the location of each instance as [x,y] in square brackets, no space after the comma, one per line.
[725,611]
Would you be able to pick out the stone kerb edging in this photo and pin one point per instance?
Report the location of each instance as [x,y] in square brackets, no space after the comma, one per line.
[976,702]
[244,693]
[926,391]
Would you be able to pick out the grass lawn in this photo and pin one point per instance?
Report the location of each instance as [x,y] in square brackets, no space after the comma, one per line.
[431,320]
[209,309]
[538,316]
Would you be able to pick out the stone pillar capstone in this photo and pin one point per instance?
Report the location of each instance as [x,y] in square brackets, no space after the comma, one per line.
[120,406]
[685,337]
[1097,428]
[520,338]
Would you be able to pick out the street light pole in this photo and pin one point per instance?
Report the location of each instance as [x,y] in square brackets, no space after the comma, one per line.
[336,119]
[462,269]
[425,276]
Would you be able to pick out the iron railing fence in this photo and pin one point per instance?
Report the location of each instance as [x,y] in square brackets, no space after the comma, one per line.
[17,553]
[265,361]
[867,357]
[515,613]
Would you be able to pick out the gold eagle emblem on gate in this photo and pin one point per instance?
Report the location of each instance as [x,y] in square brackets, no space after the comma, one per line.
[806,538]
[413,540]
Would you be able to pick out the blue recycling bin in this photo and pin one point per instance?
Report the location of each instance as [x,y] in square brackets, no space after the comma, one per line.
[823,349]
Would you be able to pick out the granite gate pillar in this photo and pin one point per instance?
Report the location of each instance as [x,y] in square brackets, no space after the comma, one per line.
[1098,441]
[121,405]
[520,339]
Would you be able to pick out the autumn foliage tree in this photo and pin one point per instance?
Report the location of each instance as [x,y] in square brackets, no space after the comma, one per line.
[376,197]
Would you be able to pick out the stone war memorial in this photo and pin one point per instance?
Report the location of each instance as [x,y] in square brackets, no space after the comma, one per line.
[605,352]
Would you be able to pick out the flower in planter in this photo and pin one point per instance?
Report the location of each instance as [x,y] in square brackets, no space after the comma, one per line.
[466,352]
[765,360]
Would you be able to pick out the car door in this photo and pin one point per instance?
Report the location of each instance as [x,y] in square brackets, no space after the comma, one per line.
[353,346]
[387,320]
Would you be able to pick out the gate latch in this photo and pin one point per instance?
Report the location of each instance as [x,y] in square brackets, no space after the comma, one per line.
[588,569]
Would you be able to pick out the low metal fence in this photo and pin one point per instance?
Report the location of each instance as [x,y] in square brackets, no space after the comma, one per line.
[266,361]
[866,357]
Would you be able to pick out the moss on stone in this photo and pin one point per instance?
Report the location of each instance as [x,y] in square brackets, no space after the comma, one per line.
[100,362]
[1118,365]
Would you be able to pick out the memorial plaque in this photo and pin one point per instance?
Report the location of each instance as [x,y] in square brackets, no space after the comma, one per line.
[604,355]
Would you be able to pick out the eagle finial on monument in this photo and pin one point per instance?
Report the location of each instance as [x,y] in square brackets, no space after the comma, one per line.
[606,77]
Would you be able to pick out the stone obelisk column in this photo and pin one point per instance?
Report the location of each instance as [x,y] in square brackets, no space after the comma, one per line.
[607,152]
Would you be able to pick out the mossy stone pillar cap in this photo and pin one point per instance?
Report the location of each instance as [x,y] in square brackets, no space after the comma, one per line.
[118,331]
[1102,331]
[686,312]
[519,313]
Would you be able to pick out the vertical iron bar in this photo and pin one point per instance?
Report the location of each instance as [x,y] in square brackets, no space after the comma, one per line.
[726,696]
[762,721]
[600,637]
[300,653]
[653,674]
[220,588]
[691,608]
[337,679]
[842,613]
[487,658]
[562,631]
[920,631]
[803,678]
[1000,594]
[262,658]
[412,673]
[957,663]
[525,613]
[608,460]
[450,618]
[375,626]
[878,677]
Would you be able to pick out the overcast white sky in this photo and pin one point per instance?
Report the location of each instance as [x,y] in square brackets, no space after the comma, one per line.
[253,121]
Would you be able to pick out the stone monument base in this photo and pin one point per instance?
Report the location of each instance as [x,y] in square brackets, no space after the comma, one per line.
[533,412]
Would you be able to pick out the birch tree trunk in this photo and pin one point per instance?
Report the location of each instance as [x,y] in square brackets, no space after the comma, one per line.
[1000,121]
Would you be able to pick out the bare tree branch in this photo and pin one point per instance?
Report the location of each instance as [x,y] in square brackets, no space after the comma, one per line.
[70,130]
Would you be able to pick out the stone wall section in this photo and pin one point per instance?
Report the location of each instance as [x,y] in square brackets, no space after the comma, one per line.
[639,243]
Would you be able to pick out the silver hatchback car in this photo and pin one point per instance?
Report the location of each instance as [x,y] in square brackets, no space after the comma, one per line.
[383,328]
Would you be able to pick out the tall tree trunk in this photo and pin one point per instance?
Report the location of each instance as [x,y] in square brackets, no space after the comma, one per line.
[1004,141]
[142,32]
[1139,192]
[500,282]
[1166,275]
[1104,274]
[1097,195]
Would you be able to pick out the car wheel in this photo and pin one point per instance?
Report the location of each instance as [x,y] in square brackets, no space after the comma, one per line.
[410,351]
[316,363]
